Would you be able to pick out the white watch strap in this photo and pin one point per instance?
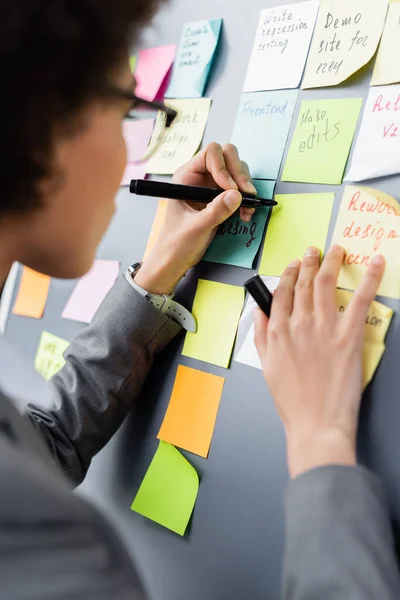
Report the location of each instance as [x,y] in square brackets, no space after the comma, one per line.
[166,304]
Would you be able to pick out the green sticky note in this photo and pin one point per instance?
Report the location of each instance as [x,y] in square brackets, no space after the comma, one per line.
[322,139]
[49,356]
[132,62]
[299,221]
[169,490]
[216,308]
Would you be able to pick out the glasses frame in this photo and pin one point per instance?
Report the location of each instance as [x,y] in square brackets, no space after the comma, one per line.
[170,113]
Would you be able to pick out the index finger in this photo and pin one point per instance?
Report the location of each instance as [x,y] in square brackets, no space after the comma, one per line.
[357,310]
[209,161]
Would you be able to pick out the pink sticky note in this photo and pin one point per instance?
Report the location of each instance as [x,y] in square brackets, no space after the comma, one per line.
[137,136]
[90,291]
[152,70]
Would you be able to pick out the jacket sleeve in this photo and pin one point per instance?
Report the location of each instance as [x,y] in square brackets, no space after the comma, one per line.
[105,368]
[338,538]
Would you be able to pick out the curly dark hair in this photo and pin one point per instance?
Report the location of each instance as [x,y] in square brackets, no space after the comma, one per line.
[55,57]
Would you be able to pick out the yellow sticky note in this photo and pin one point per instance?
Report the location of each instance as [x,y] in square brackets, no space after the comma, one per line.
[387,64]
[345,39]
[322,140]
[368,224]
[376,327]
[299,221]
[177,144]
[32,294]
[49,356]
[216,308]
[192,410]
[156,227]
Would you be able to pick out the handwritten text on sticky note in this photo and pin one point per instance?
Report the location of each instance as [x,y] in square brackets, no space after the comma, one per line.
[322,139]
[193,61]
[346,37]
[368,224]
[377,150]
[280,47]
[177,144]
[261,128]
[49,356]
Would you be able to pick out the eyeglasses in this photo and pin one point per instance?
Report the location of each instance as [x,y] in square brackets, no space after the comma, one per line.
[144,109]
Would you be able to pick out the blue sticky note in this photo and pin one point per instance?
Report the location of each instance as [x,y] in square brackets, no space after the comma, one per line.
[261,130]
[194,58]
[236,243]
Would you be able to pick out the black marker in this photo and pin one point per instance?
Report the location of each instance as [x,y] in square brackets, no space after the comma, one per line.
[261,294]
[190,193]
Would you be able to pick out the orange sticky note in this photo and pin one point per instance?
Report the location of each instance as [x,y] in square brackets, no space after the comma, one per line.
[32,294]
[156,227]
[192,410]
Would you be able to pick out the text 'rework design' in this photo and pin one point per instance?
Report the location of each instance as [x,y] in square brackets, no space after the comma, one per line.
[368,224]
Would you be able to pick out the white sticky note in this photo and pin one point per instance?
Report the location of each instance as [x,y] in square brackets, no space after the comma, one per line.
[377,149]
[280,47]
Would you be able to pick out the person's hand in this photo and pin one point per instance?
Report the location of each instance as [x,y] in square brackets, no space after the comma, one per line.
[311,356]
[189,227]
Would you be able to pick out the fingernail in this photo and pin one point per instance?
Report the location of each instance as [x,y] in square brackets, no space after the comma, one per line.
[294,263]
[249,187]
[312,251]
[336,248]
[378,260]
[232,200]
[232,183]
[246,218]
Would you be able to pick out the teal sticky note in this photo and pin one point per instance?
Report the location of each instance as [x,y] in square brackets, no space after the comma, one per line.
[194,58]
[237,243]
[261,130]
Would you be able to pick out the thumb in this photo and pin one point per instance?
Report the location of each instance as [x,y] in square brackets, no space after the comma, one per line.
[260,332]
[221,208]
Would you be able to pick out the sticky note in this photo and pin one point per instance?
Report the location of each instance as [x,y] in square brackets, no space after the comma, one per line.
[132,63]
[280,47]
[152,71]
[169,490]
[177,144]
[387,65]
[194,58]
[216,308]
[245,349]
[137,136]
[346,37]
[377,149]
[49,356]
[156,227]
[237,243]
[261,130]
[368,224]
[376,326]
[91,290]
[32,294]
[192,410]
[299,221]
[322,139]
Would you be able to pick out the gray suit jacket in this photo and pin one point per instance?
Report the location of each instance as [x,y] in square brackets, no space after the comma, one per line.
[55,546]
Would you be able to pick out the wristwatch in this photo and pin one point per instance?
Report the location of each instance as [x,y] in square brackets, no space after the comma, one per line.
[164,302]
